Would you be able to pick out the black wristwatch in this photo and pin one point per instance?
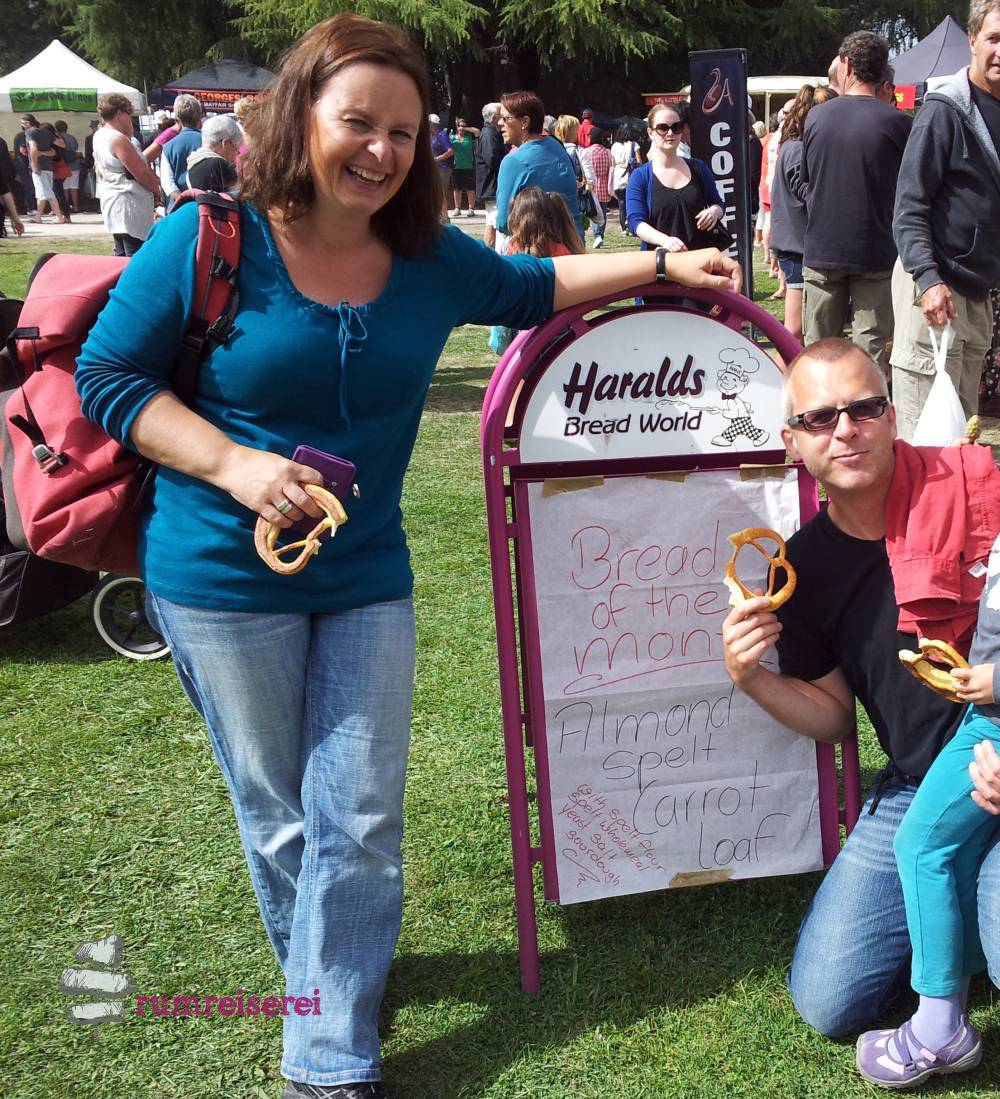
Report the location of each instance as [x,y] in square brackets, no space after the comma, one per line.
[661,264]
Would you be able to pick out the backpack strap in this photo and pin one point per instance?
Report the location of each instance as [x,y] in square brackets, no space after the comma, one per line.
[216,299]
[48,460]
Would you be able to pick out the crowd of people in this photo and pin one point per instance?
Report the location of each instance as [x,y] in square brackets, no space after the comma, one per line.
[129,183]
[351,279]
[860,233]
[878,220]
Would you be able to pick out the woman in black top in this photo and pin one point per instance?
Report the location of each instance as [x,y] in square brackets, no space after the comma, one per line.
[672,202]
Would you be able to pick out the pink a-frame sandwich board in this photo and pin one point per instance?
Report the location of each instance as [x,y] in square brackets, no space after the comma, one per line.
[622,442]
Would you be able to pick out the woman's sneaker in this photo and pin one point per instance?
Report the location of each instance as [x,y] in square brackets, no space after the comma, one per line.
[884,1059]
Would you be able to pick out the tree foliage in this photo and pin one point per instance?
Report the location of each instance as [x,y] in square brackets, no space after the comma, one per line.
[595,30]
[600,51]
[28,27]
[150,41]
[272,25]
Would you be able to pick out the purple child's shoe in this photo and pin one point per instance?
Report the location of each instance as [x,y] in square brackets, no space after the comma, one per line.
[883,1056]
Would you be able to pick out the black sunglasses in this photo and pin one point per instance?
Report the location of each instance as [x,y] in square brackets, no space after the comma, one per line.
[664,128]
[819,419]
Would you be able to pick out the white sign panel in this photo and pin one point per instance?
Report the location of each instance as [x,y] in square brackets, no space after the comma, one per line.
[650,384]
[660,772]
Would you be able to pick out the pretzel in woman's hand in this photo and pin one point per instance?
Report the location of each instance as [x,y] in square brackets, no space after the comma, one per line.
[753,536]
[938,679]
[265,535]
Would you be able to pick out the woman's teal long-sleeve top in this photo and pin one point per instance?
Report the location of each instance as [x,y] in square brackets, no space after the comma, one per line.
[348,381]
[541,163]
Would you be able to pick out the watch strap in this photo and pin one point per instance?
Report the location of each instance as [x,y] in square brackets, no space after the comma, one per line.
[661,265]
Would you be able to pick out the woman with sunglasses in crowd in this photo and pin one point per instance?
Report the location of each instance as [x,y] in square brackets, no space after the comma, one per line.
[672,202]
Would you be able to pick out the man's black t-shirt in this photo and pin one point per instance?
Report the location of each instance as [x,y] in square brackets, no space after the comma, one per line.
[42,138]
[989,108]
[844,614]
[851,151]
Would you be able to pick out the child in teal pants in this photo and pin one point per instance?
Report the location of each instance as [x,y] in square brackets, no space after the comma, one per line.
[939,847]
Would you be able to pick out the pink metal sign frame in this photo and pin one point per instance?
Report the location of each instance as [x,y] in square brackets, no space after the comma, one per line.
[506,485]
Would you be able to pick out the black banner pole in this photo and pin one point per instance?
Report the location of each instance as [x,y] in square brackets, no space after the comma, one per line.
[720,135]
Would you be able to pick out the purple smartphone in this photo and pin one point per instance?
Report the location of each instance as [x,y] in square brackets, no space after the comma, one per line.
[338,478]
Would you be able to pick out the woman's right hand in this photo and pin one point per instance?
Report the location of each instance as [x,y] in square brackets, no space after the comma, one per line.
[674,244]
[261,480]
[708,268]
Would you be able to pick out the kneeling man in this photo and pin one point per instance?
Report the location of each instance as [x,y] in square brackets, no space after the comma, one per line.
[837,642]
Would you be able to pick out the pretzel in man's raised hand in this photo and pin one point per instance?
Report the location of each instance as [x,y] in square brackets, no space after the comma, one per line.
[265,534]
[752,536]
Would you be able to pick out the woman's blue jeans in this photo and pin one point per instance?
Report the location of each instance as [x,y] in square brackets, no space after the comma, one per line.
[309,719]
[852,958]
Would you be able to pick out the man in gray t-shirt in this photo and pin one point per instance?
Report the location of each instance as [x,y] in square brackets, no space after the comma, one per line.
[40,156]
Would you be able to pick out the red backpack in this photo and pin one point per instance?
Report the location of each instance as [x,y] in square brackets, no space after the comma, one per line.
[71,492]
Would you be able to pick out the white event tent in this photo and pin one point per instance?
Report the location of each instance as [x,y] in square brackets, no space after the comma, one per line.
[57,78]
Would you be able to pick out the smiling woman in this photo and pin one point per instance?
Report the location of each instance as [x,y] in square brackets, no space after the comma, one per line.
[348,288]
[387,90]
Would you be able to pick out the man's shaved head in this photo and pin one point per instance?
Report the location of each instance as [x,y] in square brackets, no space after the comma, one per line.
[823,354]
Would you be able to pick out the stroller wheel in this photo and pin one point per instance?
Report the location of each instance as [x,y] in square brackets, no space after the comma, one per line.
[118,606]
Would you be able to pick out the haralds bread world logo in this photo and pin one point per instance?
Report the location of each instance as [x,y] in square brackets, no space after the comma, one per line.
[651,384]
[669,388]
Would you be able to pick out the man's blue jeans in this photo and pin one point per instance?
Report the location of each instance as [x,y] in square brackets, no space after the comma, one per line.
[309,719]
[852,958]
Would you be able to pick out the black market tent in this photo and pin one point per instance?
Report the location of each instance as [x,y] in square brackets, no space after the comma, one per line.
[943,52]
[217,85]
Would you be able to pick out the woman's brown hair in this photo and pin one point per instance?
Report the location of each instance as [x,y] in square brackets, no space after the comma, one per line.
[678,107]
[276,173]
[537,220]
[525,104]
[794,125]
[110,103]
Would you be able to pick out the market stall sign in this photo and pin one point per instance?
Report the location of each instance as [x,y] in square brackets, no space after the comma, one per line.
[53,99]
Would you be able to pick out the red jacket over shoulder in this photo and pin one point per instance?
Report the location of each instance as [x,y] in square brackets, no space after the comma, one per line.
[942,516]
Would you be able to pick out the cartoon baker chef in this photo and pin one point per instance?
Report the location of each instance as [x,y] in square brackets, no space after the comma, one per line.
[733,377]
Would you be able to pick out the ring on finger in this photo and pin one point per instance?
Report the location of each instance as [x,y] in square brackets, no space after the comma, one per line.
[284,506]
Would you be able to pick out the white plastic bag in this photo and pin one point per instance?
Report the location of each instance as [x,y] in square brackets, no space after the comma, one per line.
[942,419]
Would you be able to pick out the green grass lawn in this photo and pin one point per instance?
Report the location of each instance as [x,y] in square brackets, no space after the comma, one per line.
[116,818]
